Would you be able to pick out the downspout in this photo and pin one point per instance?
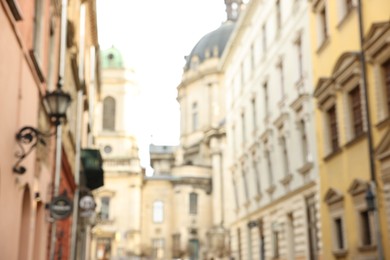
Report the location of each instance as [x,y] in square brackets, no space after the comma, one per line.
[79,115]
[373,182]
[61,74]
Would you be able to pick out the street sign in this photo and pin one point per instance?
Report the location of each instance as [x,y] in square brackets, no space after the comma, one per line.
[61,207]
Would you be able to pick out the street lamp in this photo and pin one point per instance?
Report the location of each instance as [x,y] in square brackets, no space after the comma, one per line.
[370,200]
[28,137]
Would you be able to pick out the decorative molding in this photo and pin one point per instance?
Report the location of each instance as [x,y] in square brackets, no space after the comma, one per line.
[357,187]
[305,169]
[286,179]
[332,196]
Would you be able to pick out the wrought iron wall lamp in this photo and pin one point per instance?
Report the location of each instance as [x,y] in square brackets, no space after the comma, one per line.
[29,137]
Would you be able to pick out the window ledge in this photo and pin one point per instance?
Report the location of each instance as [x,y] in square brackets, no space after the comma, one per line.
[367,248]
[258,197]
[325,42]
[271,189]
[287,179]
[383,122]
[356,139]
[339,253]
[332,154]
[305,169]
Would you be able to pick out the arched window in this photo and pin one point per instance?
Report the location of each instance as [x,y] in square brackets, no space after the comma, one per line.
[109,114]
[158,211]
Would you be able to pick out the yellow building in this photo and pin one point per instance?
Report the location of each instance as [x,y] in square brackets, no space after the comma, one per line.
[348,226]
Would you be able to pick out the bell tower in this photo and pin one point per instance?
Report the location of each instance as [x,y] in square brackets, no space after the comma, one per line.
[233,9]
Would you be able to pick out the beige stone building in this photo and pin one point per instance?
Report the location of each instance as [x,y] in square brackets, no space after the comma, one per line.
[116,234]
[185,202]
[270,134]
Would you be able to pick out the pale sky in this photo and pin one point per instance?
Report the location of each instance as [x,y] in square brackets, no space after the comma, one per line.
[154,37]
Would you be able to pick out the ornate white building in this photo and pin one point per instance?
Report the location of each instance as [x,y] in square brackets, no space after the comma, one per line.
[270,131]
[116,234]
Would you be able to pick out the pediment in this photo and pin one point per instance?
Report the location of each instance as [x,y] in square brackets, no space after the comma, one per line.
[357,187]
[377,40]
[345,61]
[332,196]
[325,91]
[376,31]
[382,151]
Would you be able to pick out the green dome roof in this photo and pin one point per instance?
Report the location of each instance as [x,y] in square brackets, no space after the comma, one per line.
[112,58]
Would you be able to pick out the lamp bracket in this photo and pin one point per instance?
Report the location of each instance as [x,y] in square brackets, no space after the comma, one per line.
[27,138]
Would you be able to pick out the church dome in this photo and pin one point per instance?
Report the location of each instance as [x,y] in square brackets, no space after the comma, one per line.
[210,45]
[112,58]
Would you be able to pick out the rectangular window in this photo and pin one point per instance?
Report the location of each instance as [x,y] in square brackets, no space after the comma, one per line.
[386,73]
[334,138]
[278,16]
[281,76]
[235,194]
[323,24]
[242,74]
[194,249]
[304,142]
[158,248]
[275,241]
[299,57]
[269,167]
[193,203]
[249,242]
[252,57]
[291,235]
[356,109]
[311,212]
[264,38]
[158,212]
[239,244]
[366,229]
[194,116]
[262,240]
[245,180]
[105,208]
[266,99]
[176,246]
[283,146]
[243,128]
[254,115]
[257,174]
[339,233]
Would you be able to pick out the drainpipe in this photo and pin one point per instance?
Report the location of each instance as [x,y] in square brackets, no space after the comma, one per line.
[373,183]
[61,74]
[79,115]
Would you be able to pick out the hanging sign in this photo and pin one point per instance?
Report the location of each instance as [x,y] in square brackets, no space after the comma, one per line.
[61,207]
[87,206]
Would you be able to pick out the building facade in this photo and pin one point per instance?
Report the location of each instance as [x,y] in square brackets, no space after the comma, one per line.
[351,72]
[270,134]
[38,59]
[116,231]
